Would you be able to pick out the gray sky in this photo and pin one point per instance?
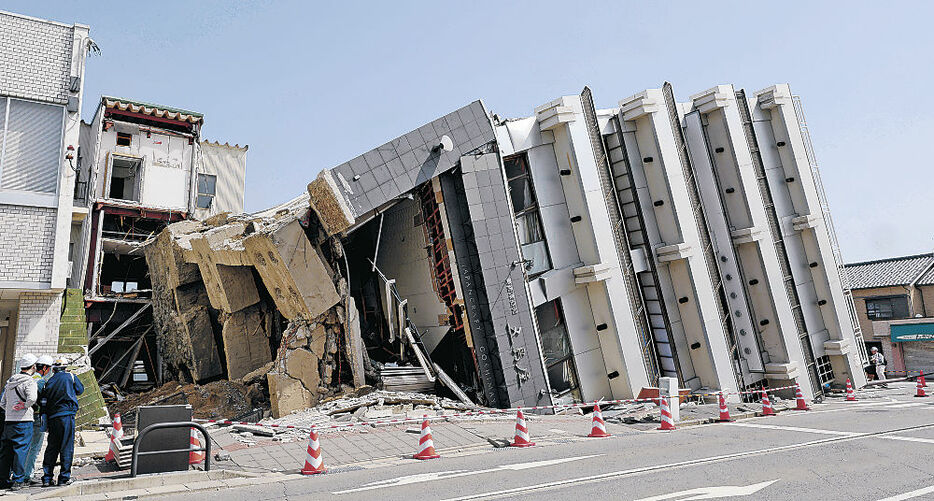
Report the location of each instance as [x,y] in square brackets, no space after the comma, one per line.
[308,86]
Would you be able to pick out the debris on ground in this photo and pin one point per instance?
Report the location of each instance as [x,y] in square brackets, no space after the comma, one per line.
[216,400]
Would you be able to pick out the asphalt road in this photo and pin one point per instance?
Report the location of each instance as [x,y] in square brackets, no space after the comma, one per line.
[880,448]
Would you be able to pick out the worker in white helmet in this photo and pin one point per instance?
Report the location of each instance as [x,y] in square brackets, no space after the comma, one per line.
[18,396]
[39,425]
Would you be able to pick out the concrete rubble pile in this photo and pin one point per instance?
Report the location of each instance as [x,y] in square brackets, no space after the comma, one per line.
[256,299]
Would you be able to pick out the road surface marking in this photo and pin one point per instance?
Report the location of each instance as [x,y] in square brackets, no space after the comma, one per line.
[680,464]
[900,406]
[443,475]
[909,439]
[726,491]
[795,428]
[909,495]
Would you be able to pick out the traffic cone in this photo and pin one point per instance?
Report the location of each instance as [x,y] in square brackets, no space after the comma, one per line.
[522,432]
[598,427]
[724,410]
[767,404]
[850,394]
[920,392]
[667,422]
[314,463]
[195,457]
[426,446]
[802,405]
[115,436]
[923,382]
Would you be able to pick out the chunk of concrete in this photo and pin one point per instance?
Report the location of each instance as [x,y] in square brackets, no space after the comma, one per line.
[246,345]
[325,198]
[206,362]
[303,365]
[292,271]
[286,395]
[230,288]
[353,344]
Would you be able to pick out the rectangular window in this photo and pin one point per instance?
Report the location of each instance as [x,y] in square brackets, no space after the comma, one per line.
[887,307]
[207,186]
[556,347]
[528,219]
[125,173]
[124,139]
[31,139]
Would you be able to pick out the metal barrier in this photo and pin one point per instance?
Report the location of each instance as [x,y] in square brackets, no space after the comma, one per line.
[160,426]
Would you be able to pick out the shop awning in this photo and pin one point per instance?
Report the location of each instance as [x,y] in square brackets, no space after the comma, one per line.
[912,332]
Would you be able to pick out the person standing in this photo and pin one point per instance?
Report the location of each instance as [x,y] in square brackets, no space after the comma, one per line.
[878,359]
[18,396]
[42,375]
[61,404]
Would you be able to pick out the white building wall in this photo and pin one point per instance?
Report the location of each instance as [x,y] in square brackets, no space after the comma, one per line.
[38,323]
[228,163]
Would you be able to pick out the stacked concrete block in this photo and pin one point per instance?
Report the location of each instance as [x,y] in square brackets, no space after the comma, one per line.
[26,244]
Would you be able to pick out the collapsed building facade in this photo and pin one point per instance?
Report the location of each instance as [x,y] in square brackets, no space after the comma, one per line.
[576,254]
[140,166]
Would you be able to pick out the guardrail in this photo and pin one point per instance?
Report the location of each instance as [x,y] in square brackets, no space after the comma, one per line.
[161,426]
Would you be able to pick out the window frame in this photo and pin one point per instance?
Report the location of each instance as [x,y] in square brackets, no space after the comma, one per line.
[575,389]
[199,194]
[28,197]
[532,209]
[140,163]
[873,303]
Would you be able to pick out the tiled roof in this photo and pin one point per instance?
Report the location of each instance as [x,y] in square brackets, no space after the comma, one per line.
[888,272]
[928,278]
[156,110]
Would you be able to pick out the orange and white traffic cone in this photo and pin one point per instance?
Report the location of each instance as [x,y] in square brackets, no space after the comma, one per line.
[767,405]
[314,463]
[195,457]
[522,432]
[850,394]
[598,427]
[802,405]
[114,452]
[667,422]
[724,410]
[921,378]
[426,446]
[920,392]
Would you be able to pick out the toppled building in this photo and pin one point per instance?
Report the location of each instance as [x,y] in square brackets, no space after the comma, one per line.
[576,254]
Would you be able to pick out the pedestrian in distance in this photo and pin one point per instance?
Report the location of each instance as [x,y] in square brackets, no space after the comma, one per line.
[42,375]
[61,404]
[19,394]
[878,359]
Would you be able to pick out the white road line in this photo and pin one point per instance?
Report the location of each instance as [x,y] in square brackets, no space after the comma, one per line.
[909,495]
[795,428]
[908,439]
[693,462]
[604,476]
[444,475]
[901,406]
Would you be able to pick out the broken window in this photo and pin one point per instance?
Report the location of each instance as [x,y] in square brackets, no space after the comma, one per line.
[556,347]
[207,186]
[125,175]
[124,139]
[528,219]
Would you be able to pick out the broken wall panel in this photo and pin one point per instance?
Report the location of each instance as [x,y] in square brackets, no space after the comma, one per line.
[246,342]
[293,271]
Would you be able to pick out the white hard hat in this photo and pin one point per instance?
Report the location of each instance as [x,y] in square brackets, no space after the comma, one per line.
[875,349]
[28,360]
[44,360]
